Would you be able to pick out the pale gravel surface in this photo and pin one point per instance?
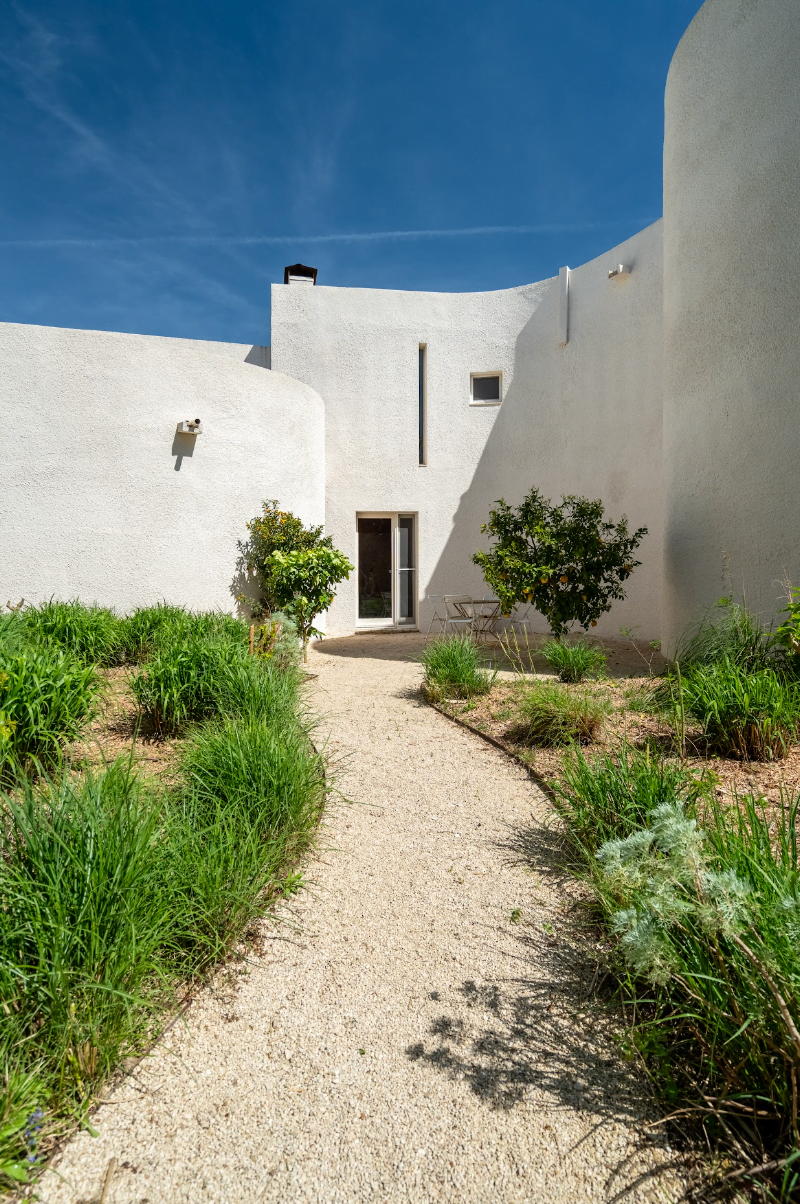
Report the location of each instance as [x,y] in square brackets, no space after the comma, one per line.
[405,1041]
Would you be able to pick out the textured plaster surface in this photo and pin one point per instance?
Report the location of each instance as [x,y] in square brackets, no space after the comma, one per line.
[582,418]
[99,496]
[731,304]
[403,1039]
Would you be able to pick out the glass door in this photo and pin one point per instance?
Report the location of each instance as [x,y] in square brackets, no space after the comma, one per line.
[406,571]
[387,573]
[375,571]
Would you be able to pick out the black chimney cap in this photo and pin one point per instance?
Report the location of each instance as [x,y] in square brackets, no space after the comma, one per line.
[300,269]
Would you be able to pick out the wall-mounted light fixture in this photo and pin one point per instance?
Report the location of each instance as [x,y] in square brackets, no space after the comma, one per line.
[621,269]
[192,426]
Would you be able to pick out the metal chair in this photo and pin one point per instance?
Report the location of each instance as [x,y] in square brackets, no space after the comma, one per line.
[459,611]
[435,599]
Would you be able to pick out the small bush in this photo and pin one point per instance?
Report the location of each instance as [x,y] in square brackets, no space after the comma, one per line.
[93,634]
[453,669]
[615,793]
[707,922]
[46,696]
[277,641]
[748,715]
[574,662]
[553,716]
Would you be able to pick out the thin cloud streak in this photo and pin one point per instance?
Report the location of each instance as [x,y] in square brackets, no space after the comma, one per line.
[245,240]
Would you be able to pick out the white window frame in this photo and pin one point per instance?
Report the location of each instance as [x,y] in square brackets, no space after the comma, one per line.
[480,376]
[391,622]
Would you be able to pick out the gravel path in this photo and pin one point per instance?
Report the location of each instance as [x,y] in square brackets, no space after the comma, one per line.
[404,1039]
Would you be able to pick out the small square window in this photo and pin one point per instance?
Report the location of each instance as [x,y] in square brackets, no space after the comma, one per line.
[486,388]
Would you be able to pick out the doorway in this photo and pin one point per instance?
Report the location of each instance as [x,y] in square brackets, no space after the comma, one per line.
[387,570]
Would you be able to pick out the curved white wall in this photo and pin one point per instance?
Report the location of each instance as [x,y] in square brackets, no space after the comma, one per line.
[732,308]
[98,499]
[582,418]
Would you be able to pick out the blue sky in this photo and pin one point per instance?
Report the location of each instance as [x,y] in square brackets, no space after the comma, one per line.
[164,160]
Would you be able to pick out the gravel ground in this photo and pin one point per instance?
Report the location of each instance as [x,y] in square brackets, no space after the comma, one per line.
[402,1037]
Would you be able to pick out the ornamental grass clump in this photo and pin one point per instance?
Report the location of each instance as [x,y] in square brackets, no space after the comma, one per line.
[251,798]
[727,631]
[84,916]
[93,634]
[574,662]
[453,669]
[707,920]
[153,629]
[615,793]
[46,697]
[182,682]
[253,689]
[553,716]
[749,715]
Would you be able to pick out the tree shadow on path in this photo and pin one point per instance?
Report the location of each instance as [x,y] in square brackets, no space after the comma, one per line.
[546,1037]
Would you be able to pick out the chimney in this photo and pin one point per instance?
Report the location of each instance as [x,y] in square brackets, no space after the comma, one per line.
[298,273]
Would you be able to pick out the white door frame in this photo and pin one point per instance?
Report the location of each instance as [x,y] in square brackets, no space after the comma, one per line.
[392,622]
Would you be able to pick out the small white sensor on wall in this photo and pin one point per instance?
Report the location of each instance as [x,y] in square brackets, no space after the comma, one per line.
[191,426]
[621,269]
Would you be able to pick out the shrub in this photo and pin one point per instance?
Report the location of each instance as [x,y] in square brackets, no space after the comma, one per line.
[303,585]
[93,634]
[615,793]
[277,641]
[574,662]
[554,716]
[708,924]
[749,715]
[275,530]
[565,560]
[46,696]
[453,669]
[727,631]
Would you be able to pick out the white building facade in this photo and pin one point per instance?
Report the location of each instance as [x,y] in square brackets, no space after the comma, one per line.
[667,389]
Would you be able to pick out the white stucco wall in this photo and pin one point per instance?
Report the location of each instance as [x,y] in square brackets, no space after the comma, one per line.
[731,305]
[98,498]
[584,418]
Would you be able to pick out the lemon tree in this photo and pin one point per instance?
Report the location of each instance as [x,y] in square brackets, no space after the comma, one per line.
[567,560]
